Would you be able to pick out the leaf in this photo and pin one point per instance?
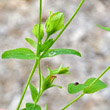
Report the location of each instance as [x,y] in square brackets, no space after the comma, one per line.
[73,89]
[34,92]
[45,106]
[19,53]
[23,109]
[60,70]
[48,82]
[36,31]
[104,28]
[54,52]
[46,45]
[53,85]
[96,87]
[30,106]
[54,23]
[31,42]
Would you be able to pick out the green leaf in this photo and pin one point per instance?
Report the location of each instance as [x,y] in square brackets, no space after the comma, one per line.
[30,106]
[54,23]
[54,52]
[31,42]
[23,109]
[46,45]
[45,106]
[36,31]
[60,70]
[53,85]
[19,53]
[104,28]
[34,92]
[73,89]
[48,82]
[96,87]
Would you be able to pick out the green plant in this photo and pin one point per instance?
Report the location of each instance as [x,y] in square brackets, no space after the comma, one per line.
[104,28]
[54,23]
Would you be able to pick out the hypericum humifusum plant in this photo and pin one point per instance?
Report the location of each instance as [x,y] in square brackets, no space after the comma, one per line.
[54,23]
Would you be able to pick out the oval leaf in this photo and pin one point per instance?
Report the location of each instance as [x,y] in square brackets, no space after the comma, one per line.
[19,53]
[96,87]
[31,42]
[54,52]
[104,28]
[73,89]
[34,92]
[30,106]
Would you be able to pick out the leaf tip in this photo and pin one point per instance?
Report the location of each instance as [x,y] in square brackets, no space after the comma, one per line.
[3,55]
[80,55]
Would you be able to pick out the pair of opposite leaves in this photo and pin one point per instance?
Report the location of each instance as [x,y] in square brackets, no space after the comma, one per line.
[54,23]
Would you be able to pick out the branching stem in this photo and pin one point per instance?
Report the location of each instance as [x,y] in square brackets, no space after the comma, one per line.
[69,21]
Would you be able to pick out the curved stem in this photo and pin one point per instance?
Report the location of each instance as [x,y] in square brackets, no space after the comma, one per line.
[69,21]
[73,101]
[28,81]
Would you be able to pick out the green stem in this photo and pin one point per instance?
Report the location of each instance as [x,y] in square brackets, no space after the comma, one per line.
[36,62]
[40,76]
[38,53]
[99,76]
[37,99]
[89,87]
[73,101]
[28,81]
[40,83]
[69,21]
[81,3]
[38,40]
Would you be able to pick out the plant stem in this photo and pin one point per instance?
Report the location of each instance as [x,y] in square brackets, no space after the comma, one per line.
[73,101]
[40,76]
[81,3]
[36,62]
[28,81]
[99,76]
[69,21]
[38,40]
[37,99]
[89,87]
[38,54]
[40,83]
